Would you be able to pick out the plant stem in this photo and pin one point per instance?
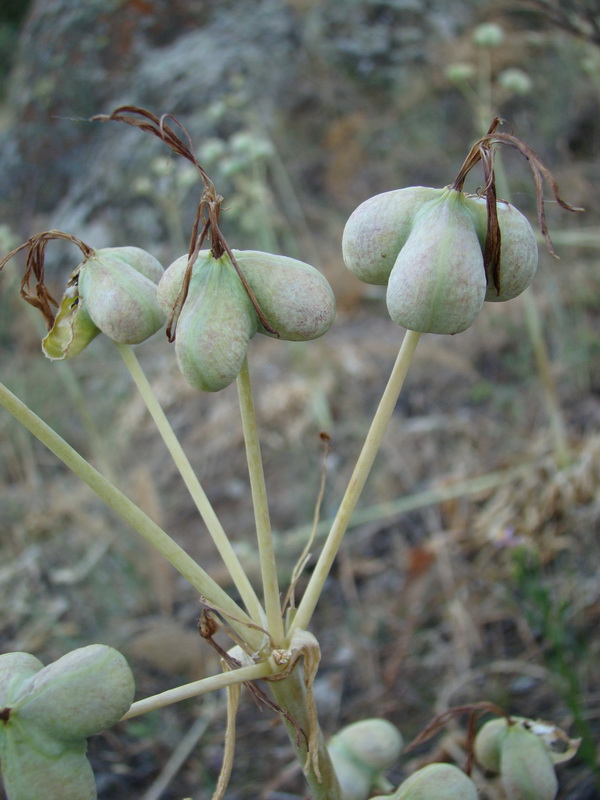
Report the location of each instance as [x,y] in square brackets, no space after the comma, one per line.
[290,694]
[546,379]
[268,565]
[195,489]
[197,688]
[357,481]
[540,350]
[120,503]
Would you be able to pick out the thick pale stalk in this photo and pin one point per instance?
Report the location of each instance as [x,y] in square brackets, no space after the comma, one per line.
[540,349]
[197,688]
[120,503]
[290,694]
[357,481]
[268,565]
[546,378]
[194,487]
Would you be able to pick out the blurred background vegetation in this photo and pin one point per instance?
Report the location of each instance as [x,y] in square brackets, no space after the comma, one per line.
[449,589]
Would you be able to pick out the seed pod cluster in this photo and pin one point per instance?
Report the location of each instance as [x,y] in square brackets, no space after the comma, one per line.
[427,245]
[47,715]
[520,756]
[218,319]
[361,752]
[111,292]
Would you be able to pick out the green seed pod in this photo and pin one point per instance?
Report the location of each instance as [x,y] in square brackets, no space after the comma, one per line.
[295,298]
[32,769]
[518,249]
[376,743]
[526,768]
[218,319]
[14,669]
[438,281]
[354,778]
[170,284]
[378,229]
[215,325]
[119,297]
[437,782]
[488,743]
[83,693]
[139,259]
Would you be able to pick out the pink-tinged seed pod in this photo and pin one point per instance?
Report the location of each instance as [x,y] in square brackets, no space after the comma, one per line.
[378,229]
[518,249]
[438,281]
[526,768]
[437,782]
[83,693]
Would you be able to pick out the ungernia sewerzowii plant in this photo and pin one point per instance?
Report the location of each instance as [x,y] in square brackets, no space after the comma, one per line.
[442,253]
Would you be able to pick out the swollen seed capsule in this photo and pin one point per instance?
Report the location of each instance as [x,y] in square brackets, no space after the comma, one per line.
[438,281]
[119,298]
[295,298]
[354,778]
[374,742]
[437,782]
[14,669]
[111,292]
[83,693]
[526,768]
[488,743]
[31,770]
[218,318]
[518,249]
[377,230]
[215,325]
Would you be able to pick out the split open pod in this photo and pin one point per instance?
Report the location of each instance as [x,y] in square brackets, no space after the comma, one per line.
[113,291]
